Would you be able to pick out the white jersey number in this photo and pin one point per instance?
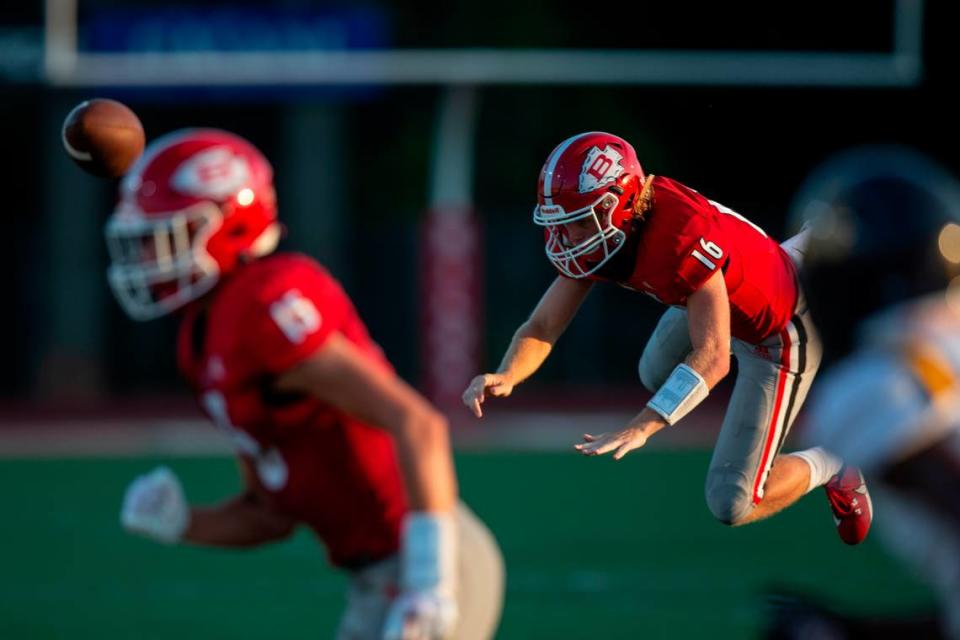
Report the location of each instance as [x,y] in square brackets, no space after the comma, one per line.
[713,250]
[271,467]
[296,316]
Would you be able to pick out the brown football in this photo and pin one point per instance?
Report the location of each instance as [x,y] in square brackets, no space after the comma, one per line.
[103,137]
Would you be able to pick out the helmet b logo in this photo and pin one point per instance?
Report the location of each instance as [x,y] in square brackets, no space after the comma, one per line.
[215,173]
[600,168]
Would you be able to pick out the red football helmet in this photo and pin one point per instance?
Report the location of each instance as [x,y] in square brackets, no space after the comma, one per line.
[586,196]
[191,208]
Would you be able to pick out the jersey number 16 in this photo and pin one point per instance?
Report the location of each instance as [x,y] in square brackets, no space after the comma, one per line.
[713,250]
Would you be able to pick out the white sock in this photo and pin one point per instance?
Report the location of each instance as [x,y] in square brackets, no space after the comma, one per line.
[823,465]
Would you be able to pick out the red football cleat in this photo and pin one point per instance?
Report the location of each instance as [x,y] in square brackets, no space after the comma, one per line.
[850,502]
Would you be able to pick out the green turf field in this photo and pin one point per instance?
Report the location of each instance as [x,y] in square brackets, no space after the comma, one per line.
[594,549]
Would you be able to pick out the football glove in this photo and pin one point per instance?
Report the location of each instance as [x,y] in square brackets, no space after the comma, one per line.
[154,506]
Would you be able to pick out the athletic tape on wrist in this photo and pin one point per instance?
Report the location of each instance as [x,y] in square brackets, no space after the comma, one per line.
[429,553]
[683,390]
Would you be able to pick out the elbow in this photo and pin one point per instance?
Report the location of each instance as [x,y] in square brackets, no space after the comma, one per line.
[434,425]
[285,530]
[720,368]
[278,527]
[529,329]
[425,426]
[539,329]
[271,525]
[712,364]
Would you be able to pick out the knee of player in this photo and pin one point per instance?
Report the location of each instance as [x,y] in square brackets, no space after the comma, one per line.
[728,502]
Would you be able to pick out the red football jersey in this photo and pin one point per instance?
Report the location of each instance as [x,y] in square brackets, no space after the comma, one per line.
[334,473]
[687,237]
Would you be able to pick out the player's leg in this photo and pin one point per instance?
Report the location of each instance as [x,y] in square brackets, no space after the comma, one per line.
[822,466]
[795,474]
[481,583]
[846,489]
[747,479]
[668,346]
[787,482]
[368,600]
[479,596]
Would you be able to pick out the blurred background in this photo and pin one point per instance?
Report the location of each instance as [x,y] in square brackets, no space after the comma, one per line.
[407,139]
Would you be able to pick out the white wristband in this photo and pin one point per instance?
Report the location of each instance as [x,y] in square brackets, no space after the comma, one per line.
[683,390]
[429,552]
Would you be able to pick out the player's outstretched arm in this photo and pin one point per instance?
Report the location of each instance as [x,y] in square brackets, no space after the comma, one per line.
[341,375]
[338,373]
[155,507]
[708,317]
[243,521]
[531,343]
[708,312]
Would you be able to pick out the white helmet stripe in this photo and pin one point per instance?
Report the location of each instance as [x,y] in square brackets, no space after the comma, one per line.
[552,165]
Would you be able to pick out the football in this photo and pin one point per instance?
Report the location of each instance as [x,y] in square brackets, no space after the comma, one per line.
[103,137]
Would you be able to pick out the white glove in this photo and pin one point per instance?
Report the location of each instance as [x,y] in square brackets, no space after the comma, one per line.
[154,506]
[425,615]
[426,608]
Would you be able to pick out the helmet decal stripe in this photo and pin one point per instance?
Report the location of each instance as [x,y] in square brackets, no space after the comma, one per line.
[552,165]
[131,181]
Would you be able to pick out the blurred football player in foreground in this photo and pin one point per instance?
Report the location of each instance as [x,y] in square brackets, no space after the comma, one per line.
[731,288]
[881,275]
[327,435]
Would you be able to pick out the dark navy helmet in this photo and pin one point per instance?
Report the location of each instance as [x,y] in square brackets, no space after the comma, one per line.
[884,226]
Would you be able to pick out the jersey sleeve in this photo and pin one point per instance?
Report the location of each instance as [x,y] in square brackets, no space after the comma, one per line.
[293,315]
[701,251]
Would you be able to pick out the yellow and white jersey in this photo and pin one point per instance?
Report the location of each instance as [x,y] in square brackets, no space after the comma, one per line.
[898,393]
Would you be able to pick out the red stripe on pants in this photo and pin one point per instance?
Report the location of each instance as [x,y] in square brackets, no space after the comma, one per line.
[772,429]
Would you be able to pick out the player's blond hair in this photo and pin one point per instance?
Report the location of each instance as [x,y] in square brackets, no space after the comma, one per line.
[644,202]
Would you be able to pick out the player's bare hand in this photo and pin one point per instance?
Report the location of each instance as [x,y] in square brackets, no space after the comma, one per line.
[619,442]
[496,384]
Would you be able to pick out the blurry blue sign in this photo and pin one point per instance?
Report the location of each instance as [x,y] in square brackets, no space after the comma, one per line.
[225,29]
[238,28]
